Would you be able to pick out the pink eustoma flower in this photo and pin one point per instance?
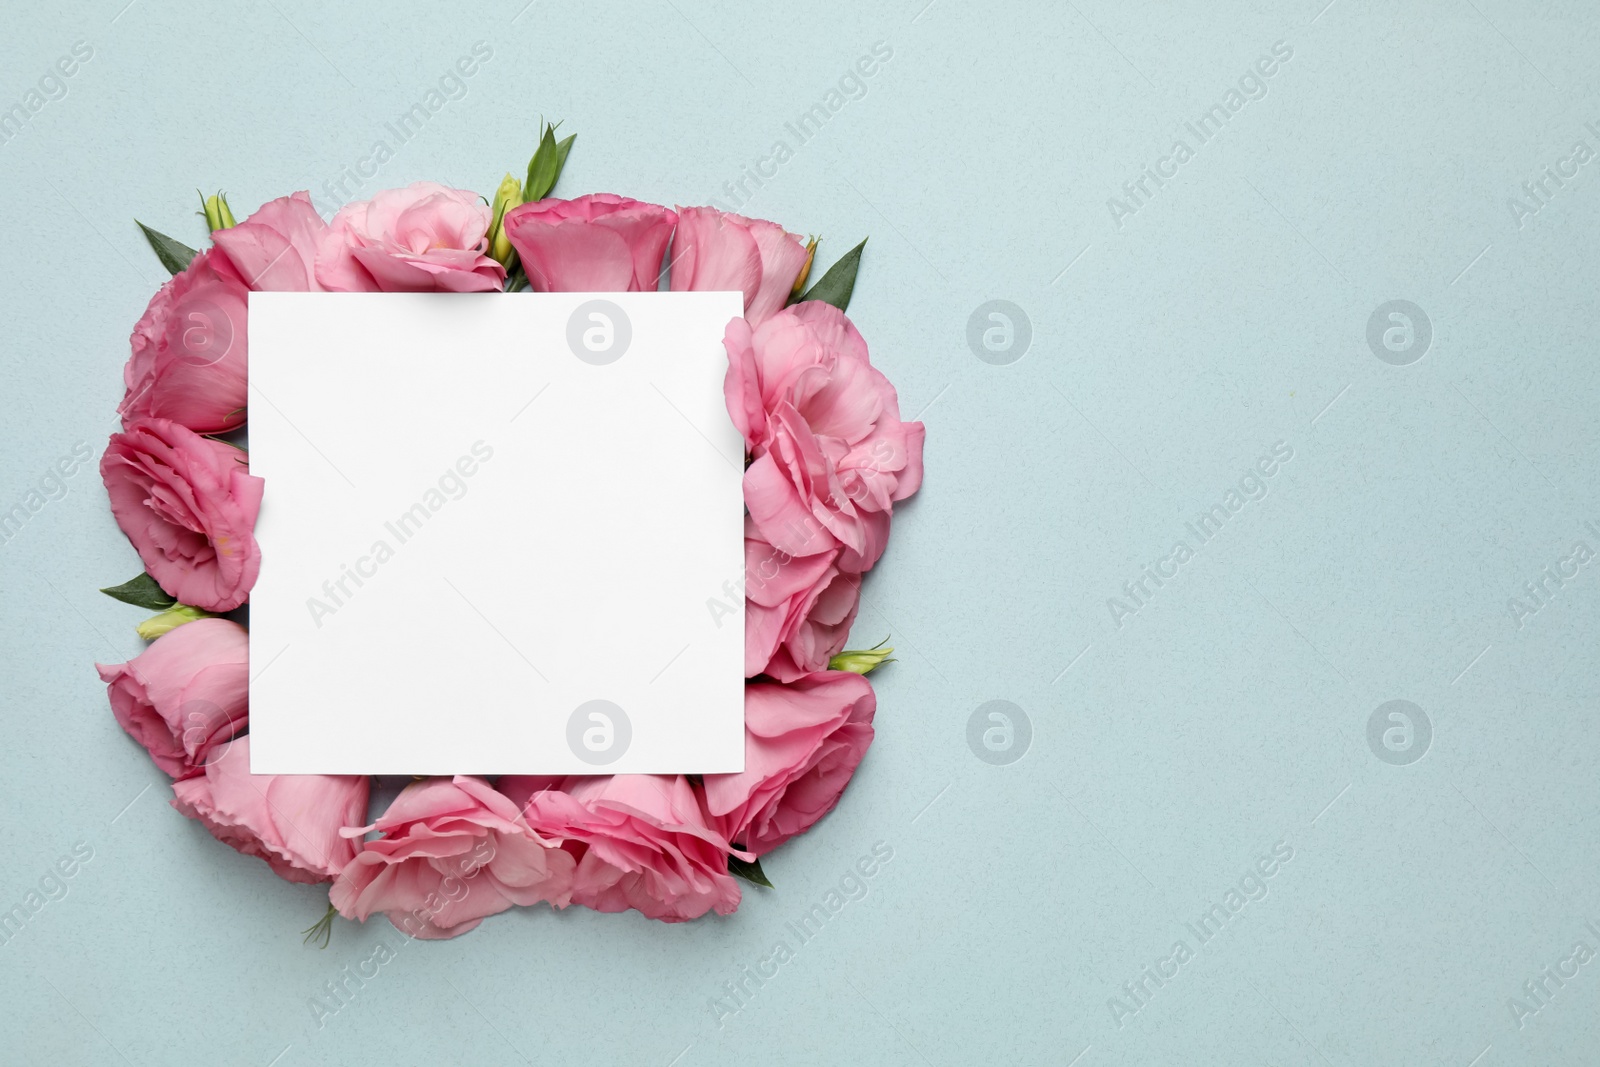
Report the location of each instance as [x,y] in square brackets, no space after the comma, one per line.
[600,243]
[803,742]
[291,821]
[189,350]
[798,609]
[642,842]
[275,249]
[718,250]
[185,696]
[830,456]
[425,238]
[188,504]
[452,852]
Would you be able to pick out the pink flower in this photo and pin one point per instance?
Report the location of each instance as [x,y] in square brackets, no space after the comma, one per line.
[643,842]
[275,250]
[798,609]
[715,250]
[600,243]
[802,743]
[189,505]
[189,350]
[452,852]
[292,821]
[185,696]
[424,238]
[830,456]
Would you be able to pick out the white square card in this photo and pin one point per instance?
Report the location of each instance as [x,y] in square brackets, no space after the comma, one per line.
[491,527]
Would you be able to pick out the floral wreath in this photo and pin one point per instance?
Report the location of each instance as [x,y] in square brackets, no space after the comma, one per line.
[827,459]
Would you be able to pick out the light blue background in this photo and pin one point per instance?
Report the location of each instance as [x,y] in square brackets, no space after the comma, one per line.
[1226,716]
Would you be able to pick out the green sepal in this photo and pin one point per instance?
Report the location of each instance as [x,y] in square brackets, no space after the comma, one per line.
[321,930]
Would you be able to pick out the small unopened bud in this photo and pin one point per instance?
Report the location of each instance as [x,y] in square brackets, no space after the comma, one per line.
[508,196]
[863,660]
[169,620]
[805,271]
[218,215]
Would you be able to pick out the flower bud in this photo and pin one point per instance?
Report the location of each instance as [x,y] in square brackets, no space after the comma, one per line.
[169,620]
[218,215]
[805,271]
[508,196]
[861,660]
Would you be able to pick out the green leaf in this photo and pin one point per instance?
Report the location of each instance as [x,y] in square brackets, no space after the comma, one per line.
[542,168]
[562,148]
[174,255]
[141,592]
[836,285]
[750,872]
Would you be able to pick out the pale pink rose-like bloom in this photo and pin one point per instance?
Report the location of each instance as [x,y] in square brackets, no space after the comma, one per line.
[600,243]
[425,238]
[292,821]
[185,696]
[275,249]
[189,350]
[188,504]
[803,742]
[829,454]
[718,250]
[453,851]
[642,839]
[798,609]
